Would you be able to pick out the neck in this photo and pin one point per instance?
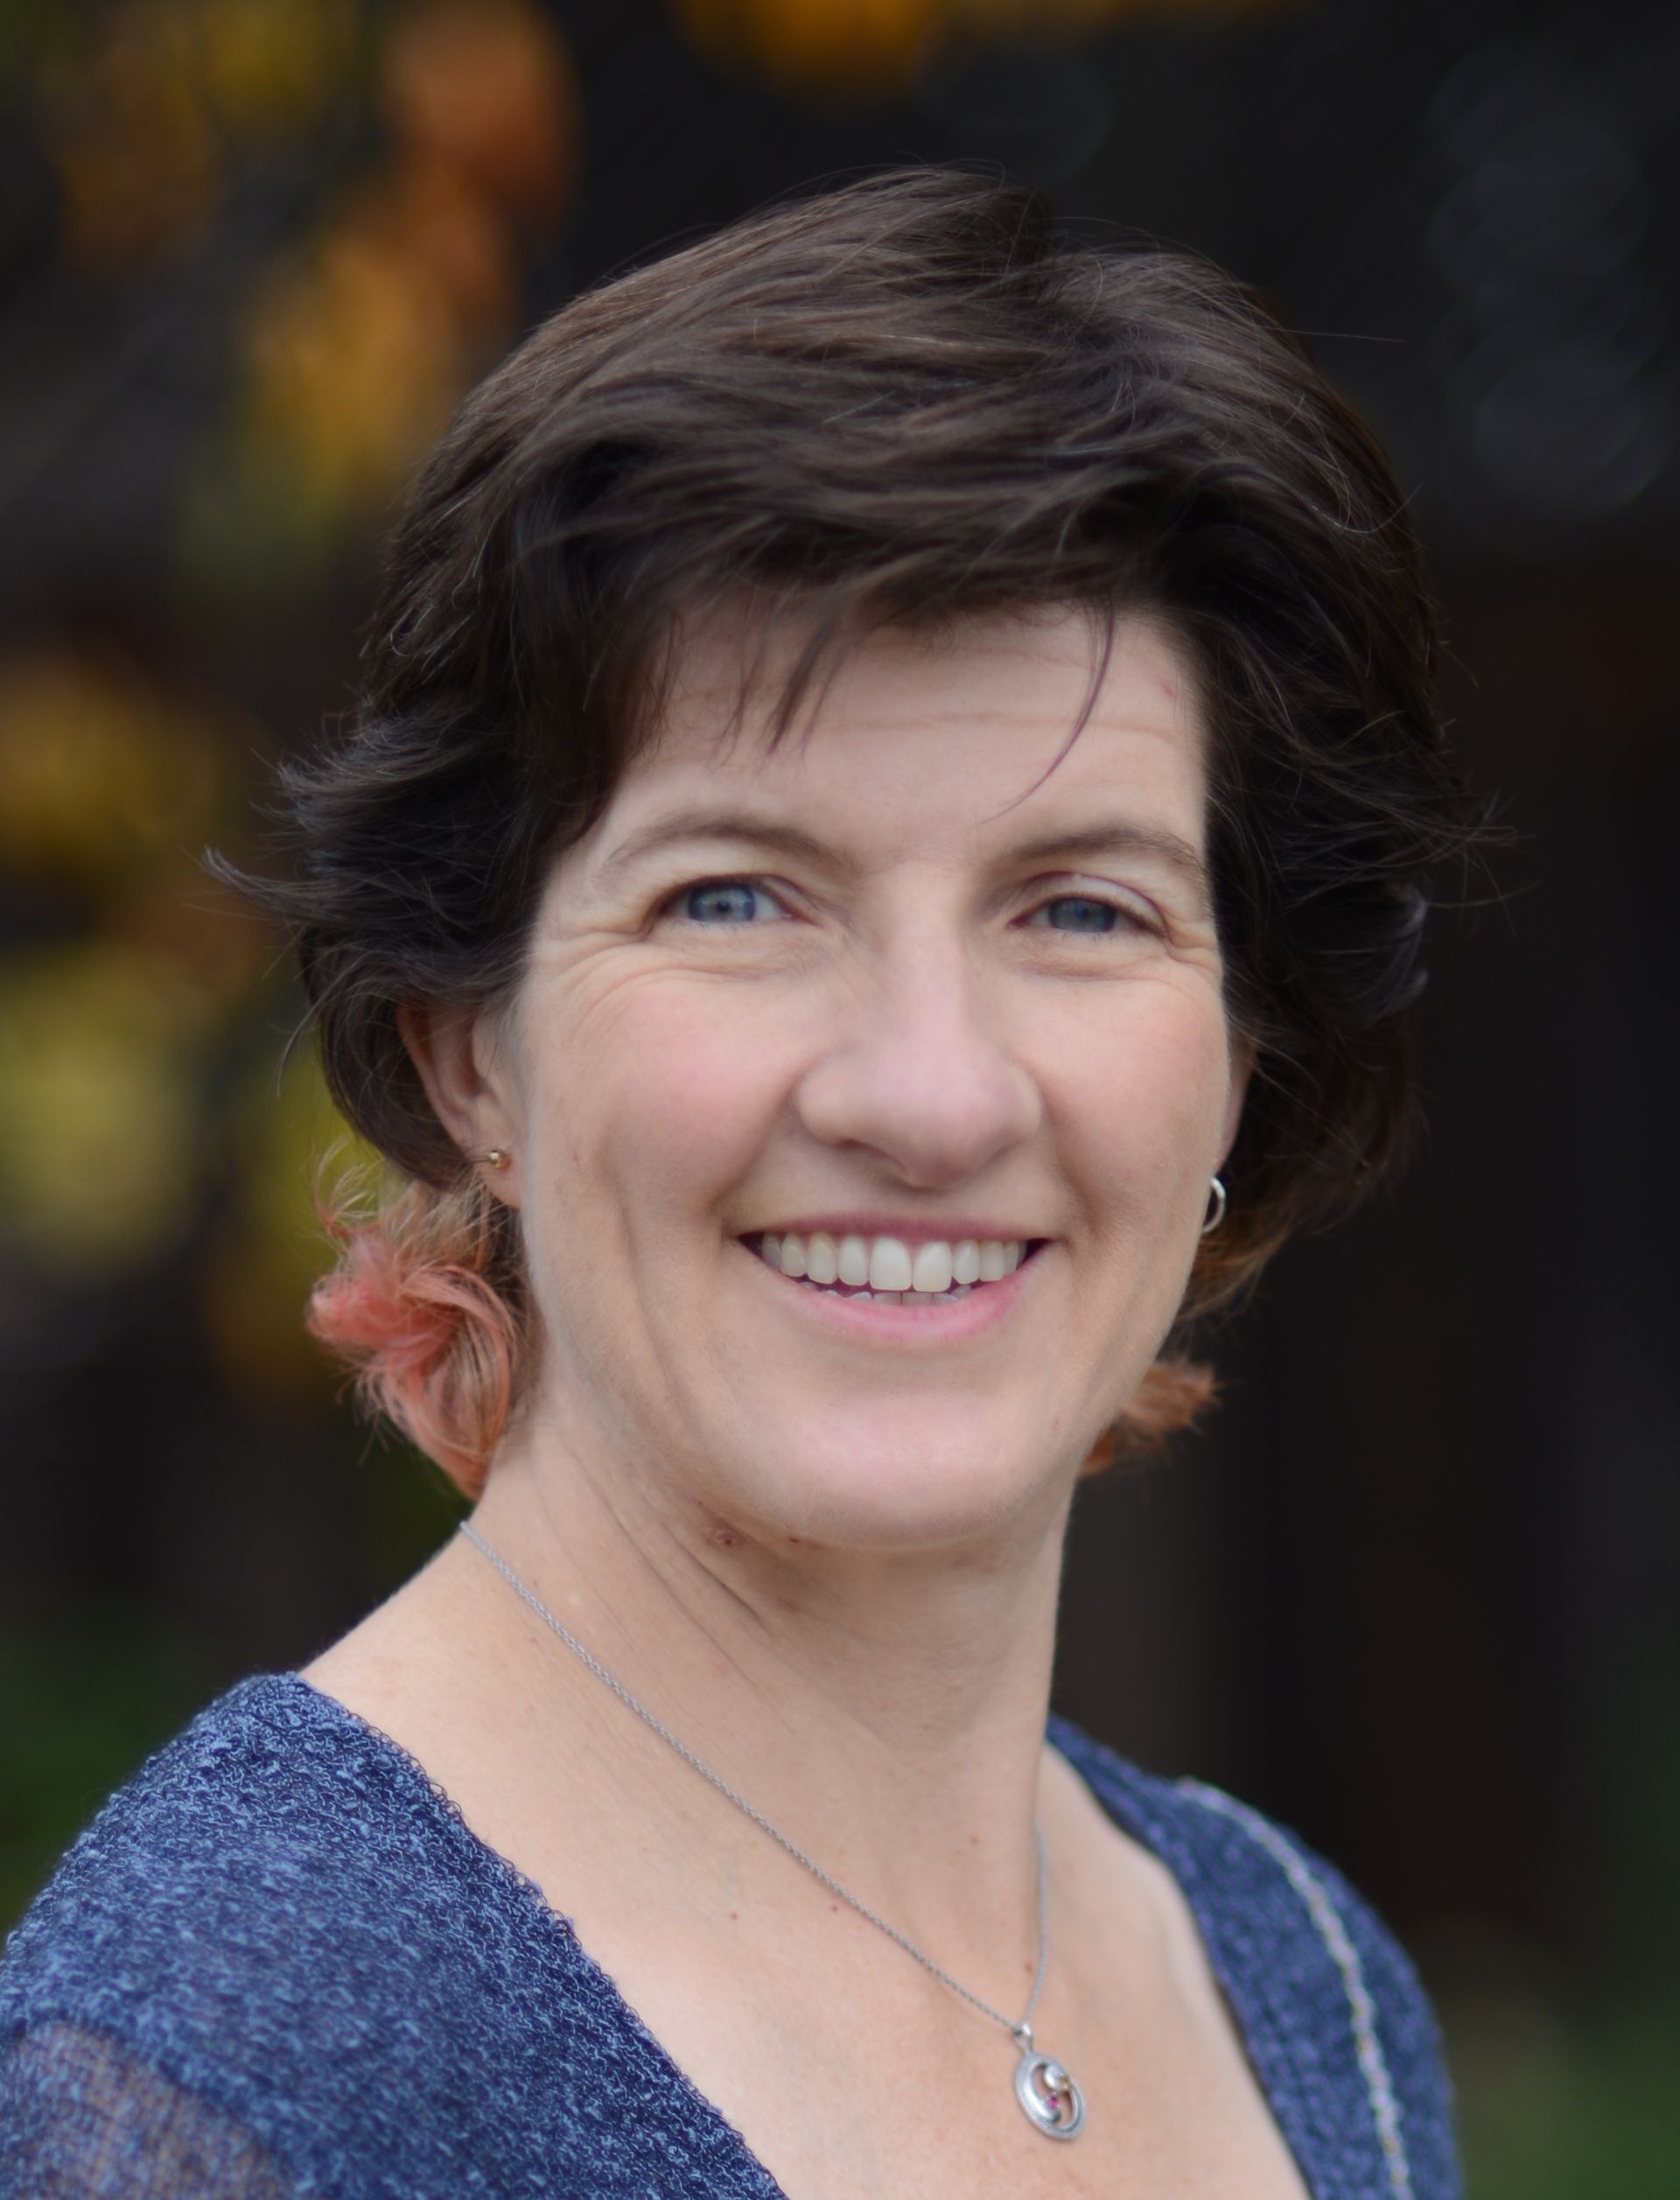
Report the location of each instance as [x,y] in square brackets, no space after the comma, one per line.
[884,1710]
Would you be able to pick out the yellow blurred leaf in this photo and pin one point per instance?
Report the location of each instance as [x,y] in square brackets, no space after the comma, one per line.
[268,66]
[98,1147]
[289,1142]
[100,777]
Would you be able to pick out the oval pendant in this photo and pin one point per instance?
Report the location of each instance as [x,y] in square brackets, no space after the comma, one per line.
[1053,2104]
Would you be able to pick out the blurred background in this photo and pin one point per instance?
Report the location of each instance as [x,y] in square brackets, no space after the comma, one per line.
[1412,1589]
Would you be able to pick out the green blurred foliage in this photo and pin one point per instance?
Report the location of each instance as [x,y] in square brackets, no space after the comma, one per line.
[88,1694]
[410,1507]
[87,1699]
[1556,2109]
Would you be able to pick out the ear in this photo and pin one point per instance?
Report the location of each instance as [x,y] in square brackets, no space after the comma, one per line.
[462,1063]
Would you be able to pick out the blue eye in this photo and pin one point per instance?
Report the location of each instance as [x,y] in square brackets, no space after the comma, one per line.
[1080,912]
[723,901]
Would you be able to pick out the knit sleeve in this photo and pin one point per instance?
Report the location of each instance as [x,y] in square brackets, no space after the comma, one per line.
[83,2118]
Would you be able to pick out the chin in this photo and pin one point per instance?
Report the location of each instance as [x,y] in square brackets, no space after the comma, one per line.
[895,1483]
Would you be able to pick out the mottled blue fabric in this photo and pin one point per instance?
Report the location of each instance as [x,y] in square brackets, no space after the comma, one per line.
[279,1963]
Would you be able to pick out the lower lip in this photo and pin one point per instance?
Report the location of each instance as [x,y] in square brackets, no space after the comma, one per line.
[985,1306]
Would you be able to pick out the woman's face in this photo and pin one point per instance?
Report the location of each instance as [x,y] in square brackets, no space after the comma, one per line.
[911,1004]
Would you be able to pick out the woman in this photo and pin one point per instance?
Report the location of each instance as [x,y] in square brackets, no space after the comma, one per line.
[878,873]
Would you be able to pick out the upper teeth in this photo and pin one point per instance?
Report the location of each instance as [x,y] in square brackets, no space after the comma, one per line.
[887,1263]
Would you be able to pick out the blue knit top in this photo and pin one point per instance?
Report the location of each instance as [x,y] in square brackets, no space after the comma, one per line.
[279,1963]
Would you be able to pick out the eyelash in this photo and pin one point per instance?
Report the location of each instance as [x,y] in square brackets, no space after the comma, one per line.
[1130,916]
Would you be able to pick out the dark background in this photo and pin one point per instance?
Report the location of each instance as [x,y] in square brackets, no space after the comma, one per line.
[1413,1588]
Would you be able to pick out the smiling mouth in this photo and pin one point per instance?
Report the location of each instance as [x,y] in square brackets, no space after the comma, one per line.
[886,1272]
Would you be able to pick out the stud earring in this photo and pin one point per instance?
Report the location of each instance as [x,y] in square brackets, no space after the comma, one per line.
[1217,1204]
[495,1158]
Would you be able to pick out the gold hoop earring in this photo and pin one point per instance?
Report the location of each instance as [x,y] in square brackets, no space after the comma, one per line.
[1218,1204]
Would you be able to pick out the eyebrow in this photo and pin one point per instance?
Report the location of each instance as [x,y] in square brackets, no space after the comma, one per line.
[1109,837]
[1121,836]
[775,838]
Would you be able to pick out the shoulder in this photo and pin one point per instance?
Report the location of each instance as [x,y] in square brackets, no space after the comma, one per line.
[264,1829]
[280,1945]
[278,1916]
[1333,2015]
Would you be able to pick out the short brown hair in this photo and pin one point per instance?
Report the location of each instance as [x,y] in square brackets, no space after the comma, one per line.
[908,399]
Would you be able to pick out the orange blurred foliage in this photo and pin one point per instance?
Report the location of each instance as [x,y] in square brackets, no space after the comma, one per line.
[359,343]
[110,788]
[427,212]
[184,920]
[487,88]
[136,147]
[353,362]
[861,46]
[858,46]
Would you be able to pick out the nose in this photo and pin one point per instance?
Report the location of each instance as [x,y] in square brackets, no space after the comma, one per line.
[918,1072]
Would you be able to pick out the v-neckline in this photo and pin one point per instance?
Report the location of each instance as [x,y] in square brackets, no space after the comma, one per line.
[558,1936]
[560,1940]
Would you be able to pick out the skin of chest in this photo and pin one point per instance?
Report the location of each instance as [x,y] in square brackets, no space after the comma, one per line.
[849,2073]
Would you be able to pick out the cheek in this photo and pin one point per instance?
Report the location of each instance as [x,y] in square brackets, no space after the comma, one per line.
[660,1096]
[1139,1092]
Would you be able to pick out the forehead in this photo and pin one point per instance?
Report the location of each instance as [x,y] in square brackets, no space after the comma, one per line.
[914,737]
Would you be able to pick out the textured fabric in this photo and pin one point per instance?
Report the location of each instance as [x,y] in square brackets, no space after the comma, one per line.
[83,2116]
[1291,1999]
[280,1966]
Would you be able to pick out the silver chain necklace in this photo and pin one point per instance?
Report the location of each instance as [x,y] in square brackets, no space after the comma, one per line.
[1053,2103]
